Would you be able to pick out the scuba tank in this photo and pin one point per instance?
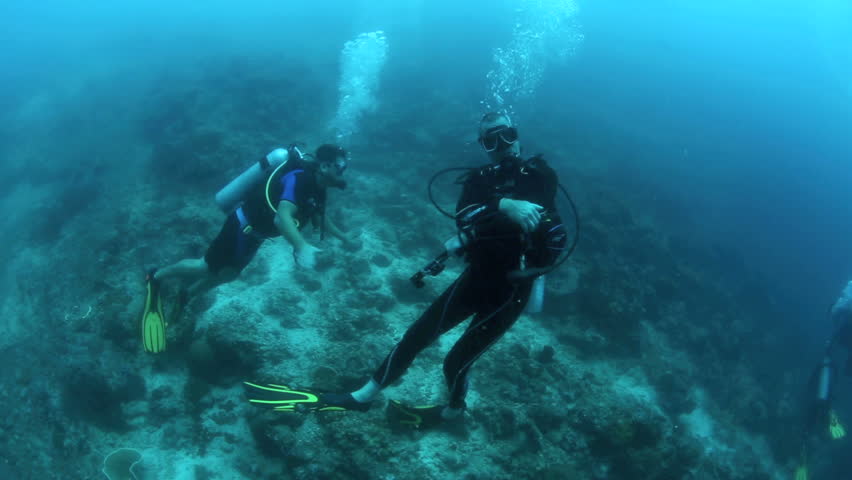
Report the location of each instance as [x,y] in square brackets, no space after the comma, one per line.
[536,301]
[825,377]
[230,197]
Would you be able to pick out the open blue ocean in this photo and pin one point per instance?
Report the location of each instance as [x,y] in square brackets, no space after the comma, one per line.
[701,329]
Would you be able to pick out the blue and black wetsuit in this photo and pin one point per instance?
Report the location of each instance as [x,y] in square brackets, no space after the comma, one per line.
[253,222]
[484,290]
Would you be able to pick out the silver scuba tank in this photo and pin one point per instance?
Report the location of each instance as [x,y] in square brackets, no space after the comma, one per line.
[824,378]
[230,197]
[536,301]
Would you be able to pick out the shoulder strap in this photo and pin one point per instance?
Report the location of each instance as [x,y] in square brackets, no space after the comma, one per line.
[287,167]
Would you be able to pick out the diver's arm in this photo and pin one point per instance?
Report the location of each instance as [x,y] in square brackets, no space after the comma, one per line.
[285,221]
[348,242]
[525,214]
[842,335]
[469,212]
[335,232]
[475,204]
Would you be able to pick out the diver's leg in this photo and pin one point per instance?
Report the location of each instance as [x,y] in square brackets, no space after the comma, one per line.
[195,270]
[447,311]
[188,269]
[229,253]
[211,281]
[492,320]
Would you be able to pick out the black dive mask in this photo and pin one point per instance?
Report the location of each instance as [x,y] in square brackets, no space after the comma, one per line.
[498,138]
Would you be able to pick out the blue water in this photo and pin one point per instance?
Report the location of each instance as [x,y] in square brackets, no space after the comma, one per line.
[759,100]
[728,124]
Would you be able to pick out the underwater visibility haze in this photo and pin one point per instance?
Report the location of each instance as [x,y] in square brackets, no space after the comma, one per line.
[154,325]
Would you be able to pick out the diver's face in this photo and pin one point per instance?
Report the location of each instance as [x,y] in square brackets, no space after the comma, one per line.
[331,173]
[499,139]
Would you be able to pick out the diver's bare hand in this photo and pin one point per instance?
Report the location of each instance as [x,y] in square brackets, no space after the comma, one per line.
[525,214]
[306,256]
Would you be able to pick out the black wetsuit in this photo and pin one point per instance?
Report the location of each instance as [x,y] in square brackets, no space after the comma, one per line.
[253,222]
[484,290]
[843,338]
[841,316]
[843,335]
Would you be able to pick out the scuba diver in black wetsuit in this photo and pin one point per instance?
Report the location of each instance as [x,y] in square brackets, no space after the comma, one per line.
[820,414]
[277,196]
[509,233]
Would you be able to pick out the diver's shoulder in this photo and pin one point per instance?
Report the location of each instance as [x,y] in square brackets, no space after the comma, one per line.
[538,164]
[538,161]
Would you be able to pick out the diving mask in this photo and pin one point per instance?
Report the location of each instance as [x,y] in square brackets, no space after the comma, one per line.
[500,137]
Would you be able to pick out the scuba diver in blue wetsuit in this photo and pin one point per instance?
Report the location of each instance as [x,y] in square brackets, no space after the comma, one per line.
[277,196]
[820,413]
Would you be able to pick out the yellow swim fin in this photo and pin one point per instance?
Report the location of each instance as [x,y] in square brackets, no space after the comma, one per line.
[415,417]
[282,398]
[153,319]
[802,470]
[834,427]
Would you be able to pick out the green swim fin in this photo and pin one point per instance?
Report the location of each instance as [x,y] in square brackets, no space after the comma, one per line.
[422,417]
[153,318]
[835,428]
[802,469]
[282,398]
